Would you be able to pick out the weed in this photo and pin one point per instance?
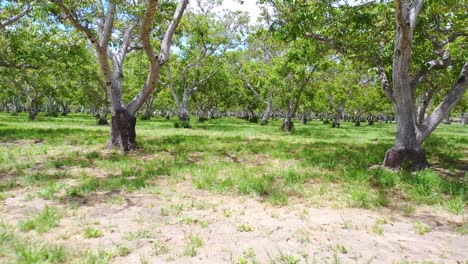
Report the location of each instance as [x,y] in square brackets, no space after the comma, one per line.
[137,235]
[192,246]
[244,228]
[421,228]
[160,247]
[90,232]
[123,250]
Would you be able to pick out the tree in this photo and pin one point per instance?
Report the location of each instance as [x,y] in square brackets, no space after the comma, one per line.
[361,32]
[410,134]
[206,39]
[112,34]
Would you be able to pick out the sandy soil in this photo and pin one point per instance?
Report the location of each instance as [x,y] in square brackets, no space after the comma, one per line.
[236,228]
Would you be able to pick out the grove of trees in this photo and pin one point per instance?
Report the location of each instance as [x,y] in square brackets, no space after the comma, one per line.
[402,61]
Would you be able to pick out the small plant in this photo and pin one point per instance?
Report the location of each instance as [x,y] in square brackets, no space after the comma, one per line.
[421,228]
[248,256]
[463,229]
[182,124]
[192,246]
[164,211]
[244,228]
[28,252]
[408,209]
[137,235]
[378,229]
[455,206]
[160,247]
[227,213]
[187,220]
[92,155]
[49,192]
[90,232]
[43,222]
[341,249]
[123,250]
[99,257]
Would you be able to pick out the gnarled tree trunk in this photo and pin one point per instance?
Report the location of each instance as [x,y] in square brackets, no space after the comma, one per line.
[123,134]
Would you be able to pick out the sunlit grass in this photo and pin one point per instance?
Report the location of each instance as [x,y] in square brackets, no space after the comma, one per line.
[229,156]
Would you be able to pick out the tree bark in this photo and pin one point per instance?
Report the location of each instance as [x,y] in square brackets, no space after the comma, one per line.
[407,151]
[123,134]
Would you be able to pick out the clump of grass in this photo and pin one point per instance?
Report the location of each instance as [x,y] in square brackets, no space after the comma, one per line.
[43,222]
[90,232]
[48,192]
[123,250]
[192,246]
[408,209]
[463,229]
[244,228]
[421,228]
[14,249]
[160,247]
[455,206]
[137,235]
[99,257]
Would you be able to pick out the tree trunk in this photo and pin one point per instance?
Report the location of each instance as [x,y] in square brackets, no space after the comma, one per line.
[269,108]
[338,116]
[304,118]
[407,152]
[288,124]
[463,119]
[32,110]
[184,114]
[102,121]
[15,106]
[123,133]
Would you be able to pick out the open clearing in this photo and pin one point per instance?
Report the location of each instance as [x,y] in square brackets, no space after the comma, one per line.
[226,191]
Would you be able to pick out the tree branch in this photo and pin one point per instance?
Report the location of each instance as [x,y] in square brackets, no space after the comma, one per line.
[387,88]
[326,41]
[74,20]
[167,40]
[449,102]
[16,17]
[106,32]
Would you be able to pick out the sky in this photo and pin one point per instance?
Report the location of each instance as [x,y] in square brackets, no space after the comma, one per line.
[249,6]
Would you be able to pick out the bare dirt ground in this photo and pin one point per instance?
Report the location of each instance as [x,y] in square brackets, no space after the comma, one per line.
[156,226]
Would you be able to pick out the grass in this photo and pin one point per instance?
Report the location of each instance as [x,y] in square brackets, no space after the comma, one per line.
[192,246]
[16,249]
[62,160]
[90,232]
[275,166]
[42,222]
[421,228]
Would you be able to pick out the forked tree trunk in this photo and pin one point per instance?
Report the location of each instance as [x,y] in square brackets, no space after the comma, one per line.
[407,152]
[123,132]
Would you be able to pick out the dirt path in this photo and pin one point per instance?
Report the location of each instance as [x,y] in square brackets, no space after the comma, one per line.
[165,225]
